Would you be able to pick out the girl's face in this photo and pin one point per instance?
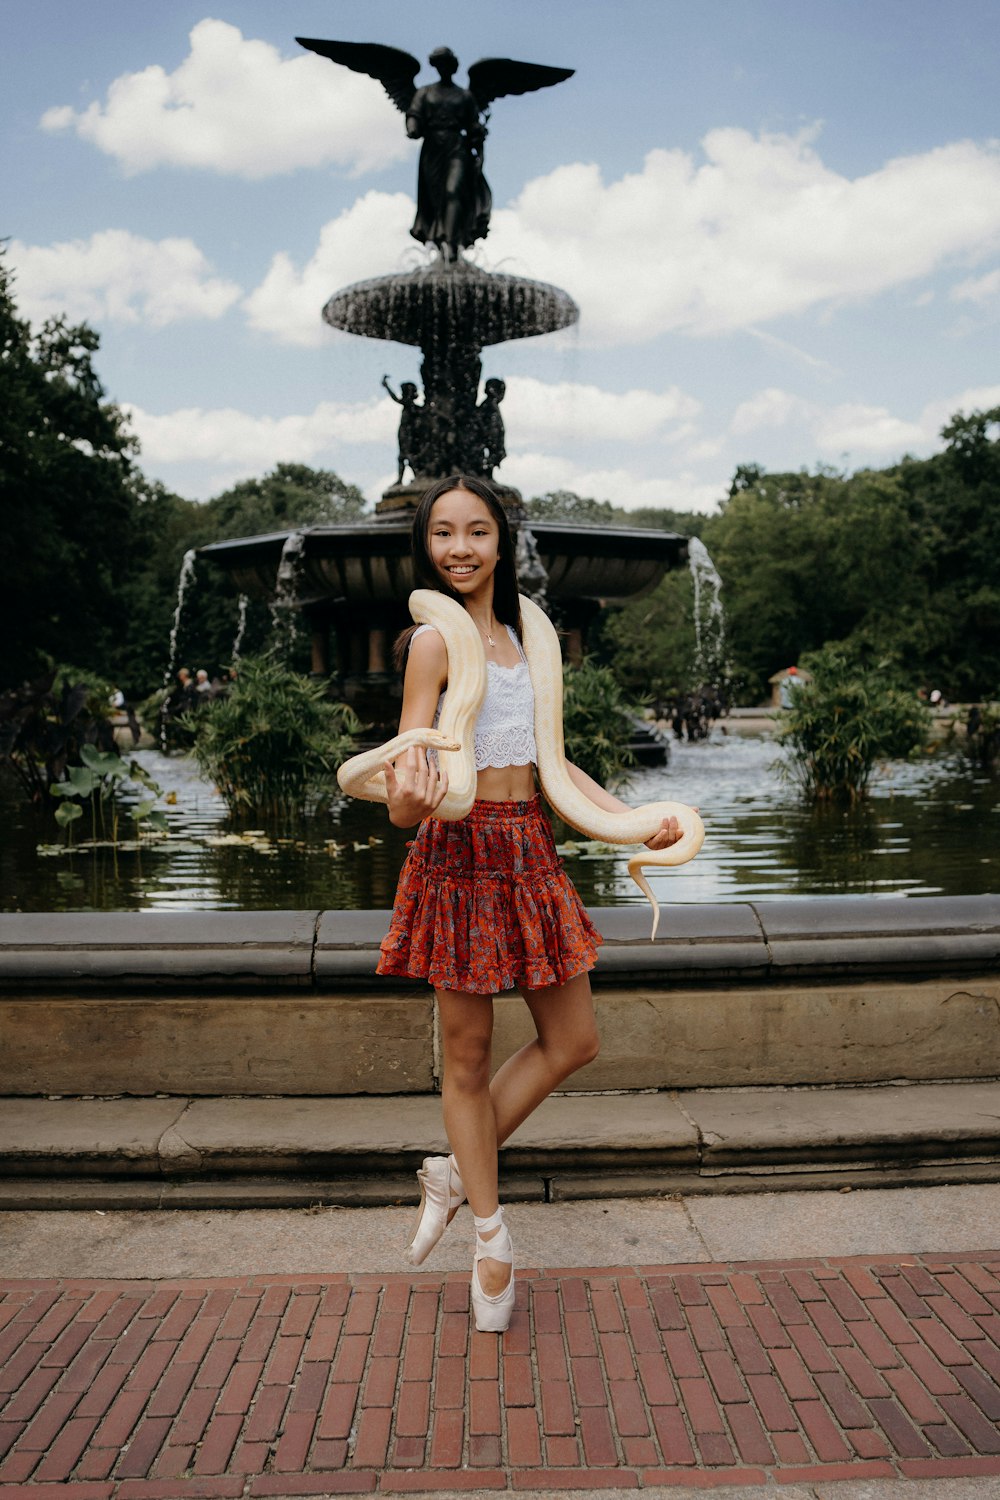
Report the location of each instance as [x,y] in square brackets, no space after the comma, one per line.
[463,540]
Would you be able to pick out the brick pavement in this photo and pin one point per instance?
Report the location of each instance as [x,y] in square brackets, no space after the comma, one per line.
[303,1385]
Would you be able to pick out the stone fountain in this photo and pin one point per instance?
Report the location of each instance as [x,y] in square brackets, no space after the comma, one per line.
[351,581]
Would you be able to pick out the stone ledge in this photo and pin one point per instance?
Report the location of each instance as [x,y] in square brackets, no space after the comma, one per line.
[185,1151]
[117,950]
[706,944]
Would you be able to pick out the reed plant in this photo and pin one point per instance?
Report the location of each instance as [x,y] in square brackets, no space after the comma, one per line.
[273,742]
[598,722]
[844,723]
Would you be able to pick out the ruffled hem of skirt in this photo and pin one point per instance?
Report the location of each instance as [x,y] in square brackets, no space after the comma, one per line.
[484,937]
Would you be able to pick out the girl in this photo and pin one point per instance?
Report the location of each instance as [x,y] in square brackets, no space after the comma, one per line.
[483,904]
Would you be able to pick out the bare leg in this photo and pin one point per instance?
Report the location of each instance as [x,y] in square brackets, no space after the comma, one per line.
[466,1036]
[567,1039]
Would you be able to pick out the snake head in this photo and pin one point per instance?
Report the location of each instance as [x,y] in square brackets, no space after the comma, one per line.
[441,741]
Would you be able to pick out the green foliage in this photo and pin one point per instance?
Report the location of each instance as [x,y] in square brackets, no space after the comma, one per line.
[843,723]
[567,505]
[597,721]
[898,562]
[273,743]
[66,500]
[90,549]
[102,775]
[56,736]
[291,495]
[45,726]
[651,641]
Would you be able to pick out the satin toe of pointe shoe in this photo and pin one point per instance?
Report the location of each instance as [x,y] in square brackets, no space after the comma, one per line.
[441,1196]
[493,1314]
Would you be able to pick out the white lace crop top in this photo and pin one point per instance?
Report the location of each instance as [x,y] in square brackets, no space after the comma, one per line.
[505,729]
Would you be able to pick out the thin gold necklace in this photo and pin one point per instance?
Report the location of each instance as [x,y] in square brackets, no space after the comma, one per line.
[487,635]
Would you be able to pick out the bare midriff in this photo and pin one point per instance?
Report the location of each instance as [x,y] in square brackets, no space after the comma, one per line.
[506,784]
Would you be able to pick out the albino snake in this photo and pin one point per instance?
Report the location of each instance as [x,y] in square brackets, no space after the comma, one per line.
[363,775]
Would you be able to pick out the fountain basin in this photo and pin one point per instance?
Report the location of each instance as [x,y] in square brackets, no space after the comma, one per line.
[414,307]
[368,562]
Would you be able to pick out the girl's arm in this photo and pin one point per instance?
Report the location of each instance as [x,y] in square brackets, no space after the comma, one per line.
[669,831]
[414,785]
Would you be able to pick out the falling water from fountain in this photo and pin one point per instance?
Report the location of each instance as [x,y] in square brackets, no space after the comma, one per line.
[285,605]
[709,618]
[183,584]
[241,627]
[532,578]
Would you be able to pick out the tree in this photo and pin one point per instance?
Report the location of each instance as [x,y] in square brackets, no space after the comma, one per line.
[811,558]
[650,642]
[290,495]
[67,503]
[566,505]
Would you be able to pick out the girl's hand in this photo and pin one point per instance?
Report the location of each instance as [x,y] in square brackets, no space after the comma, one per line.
[668,833]
[415,788]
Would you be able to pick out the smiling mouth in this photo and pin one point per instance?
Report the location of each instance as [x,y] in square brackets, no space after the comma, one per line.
[462,570]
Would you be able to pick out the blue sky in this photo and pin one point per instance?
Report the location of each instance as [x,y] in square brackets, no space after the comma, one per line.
[780,219]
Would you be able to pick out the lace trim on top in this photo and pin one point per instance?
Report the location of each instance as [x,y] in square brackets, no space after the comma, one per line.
[505,729]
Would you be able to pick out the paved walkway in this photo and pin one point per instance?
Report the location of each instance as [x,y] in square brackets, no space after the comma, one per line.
[819,1369]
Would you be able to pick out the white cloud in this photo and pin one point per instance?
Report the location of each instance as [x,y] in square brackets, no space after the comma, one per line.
[536,473]
[848,427]
[771,407]
[857,429]
[981,289]
[229,444]
[974,398]
[362,242]
[571,413]
[116,276]
[761,229]
[225,436]
[236,105]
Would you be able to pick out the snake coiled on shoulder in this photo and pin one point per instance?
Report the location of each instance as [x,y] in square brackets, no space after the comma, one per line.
[363,775]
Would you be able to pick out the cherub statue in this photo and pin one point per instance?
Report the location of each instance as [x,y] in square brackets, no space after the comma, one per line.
[491,428]
[412,439]
[453,196]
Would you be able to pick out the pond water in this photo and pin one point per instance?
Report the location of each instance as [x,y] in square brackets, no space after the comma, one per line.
[929,828]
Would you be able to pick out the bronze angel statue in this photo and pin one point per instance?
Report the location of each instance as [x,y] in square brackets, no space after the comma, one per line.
[453,196]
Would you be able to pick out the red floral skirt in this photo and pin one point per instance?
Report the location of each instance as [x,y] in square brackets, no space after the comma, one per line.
[484,905]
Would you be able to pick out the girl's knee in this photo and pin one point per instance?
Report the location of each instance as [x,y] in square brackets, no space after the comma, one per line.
[588,1048]
[571,1053]
[467,1064]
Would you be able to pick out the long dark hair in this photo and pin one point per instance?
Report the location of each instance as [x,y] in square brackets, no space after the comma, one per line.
[506,602]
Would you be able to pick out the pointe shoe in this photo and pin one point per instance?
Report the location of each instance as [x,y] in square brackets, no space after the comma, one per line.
[441,1196]
[493,1314]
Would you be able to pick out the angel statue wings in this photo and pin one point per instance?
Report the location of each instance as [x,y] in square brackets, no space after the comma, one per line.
[453,196]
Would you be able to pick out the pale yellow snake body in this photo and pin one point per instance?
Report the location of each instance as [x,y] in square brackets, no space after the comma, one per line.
[363,775]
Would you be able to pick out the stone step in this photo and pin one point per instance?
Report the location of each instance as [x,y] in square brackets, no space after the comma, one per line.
[178,1151]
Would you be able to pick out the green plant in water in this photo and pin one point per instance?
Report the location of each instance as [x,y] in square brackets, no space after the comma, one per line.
[598,721]
[102,775]
[843,723]
[273,743]
[44,726]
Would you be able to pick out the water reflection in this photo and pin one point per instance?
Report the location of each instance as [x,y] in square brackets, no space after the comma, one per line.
[928,828]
